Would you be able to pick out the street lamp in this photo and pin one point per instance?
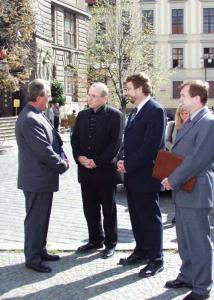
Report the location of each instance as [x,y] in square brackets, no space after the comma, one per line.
[207,61]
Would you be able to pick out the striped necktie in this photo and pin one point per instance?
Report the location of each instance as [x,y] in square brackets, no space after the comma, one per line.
[133,115]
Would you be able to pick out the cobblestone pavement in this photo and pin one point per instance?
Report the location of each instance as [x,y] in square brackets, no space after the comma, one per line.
[75,277]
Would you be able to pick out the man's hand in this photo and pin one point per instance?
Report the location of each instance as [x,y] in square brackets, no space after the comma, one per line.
[86,162]
[67,163]
[166,184]
[120,166]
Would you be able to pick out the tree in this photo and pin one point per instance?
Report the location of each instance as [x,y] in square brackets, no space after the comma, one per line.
[57,92]
[121,47]
[16,28]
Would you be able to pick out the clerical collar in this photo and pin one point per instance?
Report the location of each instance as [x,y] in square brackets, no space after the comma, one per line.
[98,110]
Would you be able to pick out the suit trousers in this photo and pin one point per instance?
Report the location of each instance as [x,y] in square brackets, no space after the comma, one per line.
[96,196]
[146,224]
[195,248]
[38,209]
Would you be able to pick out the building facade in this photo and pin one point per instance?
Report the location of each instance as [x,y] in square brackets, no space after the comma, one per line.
[59,47]
[184,35]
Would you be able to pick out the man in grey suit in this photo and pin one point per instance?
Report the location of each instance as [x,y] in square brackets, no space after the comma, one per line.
[41,160]
[195,143]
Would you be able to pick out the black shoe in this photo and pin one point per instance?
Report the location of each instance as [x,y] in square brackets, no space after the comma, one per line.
[194,296]
[173,220]
[133,259]
[41,267]
[151,269]
[108,252]
[177,284]
[50,257]
[89,246]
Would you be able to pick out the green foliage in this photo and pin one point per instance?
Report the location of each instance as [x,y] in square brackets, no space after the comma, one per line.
[57,92]
[16,28]
[120,47]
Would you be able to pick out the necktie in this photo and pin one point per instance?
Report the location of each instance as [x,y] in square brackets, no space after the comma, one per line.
[133,115]
[186,123]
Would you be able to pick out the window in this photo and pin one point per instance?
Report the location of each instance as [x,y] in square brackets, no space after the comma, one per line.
[147,18]
[177,21]
[69,84]
[177,58]
[53,24]
[211,89]
[176,89]
[209,57]
[208,20]
[69,30]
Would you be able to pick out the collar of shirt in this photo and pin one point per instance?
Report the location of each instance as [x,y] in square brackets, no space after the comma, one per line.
[142,103]
[98,110]
[40,111]
[195,113]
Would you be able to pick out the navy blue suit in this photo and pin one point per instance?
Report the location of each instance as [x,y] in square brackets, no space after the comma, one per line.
[143,137]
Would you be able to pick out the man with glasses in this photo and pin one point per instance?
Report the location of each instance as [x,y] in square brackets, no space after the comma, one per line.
[95,141]
[41,160]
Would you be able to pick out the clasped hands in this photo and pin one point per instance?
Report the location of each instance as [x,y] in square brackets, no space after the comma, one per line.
[120,166]
[87,162]
[166,184]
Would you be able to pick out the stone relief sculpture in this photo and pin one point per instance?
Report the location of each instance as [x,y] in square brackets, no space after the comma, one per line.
[44,65]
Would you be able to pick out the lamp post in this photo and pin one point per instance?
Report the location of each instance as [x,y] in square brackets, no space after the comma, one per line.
[207,61]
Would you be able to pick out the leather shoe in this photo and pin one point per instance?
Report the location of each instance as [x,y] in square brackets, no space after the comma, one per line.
[177,284]
[133,259]
[151,269]
[194,296]
[50,257]
[108,252]
[89,246]
[41,267]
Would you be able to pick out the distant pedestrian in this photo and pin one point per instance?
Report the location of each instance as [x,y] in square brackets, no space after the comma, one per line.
[95,141]
[41,160]
[72,120]
[50,113]
[194,143]
[56,111]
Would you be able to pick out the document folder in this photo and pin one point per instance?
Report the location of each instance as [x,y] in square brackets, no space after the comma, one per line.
[166,162]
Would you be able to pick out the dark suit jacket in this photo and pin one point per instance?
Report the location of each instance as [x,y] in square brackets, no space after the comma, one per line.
[38,152]
[142,140]
[103,146]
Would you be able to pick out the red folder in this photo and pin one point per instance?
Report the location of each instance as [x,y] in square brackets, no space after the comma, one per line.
[166,162]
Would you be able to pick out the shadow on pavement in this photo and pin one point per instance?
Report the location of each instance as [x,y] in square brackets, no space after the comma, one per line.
[83,288]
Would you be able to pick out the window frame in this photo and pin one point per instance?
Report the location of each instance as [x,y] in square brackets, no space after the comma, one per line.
[178,54]
[210,20]
[178,26]
[70,33]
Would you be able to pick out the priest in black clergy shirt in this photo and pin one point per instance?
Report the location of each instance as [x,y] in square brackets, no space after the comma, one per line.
[95,143]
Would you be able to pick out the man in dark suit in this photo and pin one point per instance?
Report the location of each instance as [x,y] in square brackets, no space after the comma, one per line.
[144,136]
[95,142]
[41,160]
[195,143]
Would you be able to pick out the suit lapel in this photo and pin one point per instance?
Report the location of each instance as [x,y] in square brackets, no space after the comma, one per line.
[184,130]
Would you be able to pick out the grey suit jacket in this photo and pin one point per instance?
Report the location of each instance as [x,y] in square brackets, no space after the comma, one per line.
[38,152]
[195,143]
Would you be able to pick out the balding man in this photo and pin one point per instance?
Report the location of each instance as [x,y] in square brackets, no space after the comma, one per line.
[95,142]
[41,160]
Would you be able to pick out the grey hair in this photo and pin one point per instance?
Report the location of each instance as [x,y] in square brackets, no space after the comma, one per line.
[37,87]
[102,87]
